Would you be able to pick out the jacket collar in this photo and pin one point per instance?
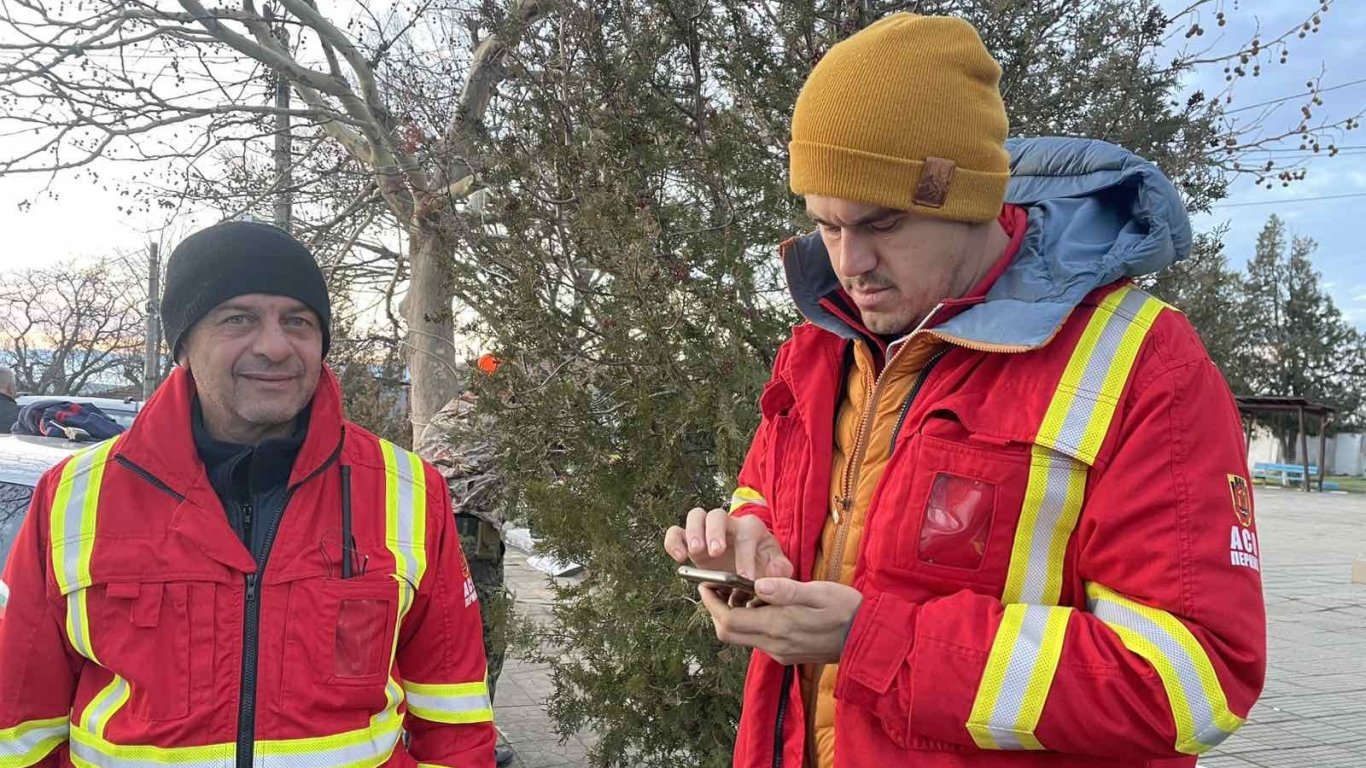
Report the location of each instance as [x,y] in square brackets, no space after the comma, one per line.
[161,440]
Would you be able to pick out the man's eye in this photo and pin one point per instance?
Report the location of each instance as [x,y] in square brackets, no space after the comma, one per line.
[236,320]
[298,322]
[884,226]
[830,231]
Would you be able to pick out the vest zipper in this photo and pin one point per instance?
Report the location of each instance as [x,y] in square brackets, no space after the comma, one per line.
[251,628]
[782,714]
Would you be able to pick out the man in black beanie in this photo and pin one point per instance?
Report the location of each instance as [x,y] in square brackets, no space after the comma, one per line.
[244,574]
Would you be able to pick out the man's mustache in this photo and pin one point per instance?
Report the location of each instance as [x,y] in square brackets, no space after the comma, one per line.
[868,282]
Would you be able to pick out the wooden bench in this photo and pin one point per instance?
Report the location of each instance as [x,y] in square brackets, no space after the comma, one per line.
[1288,473]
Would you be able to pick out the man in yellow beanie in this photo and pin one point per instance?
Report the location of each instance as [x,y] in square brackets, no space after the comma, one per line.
[993,505]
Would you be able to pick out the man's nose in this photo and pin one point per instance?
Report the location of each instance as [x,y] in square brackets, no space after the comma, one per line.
[272,342]
[856,255]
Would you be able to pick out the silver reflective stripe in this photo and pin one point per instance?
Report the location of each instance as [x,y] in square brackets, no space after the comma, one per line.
[365,747]
[72,515]
[406,509]
[27,743]
[450,704]
[1207,731]
[1023,657]
[1092,385]
[147,757]
[1056,518]
[370,751]
[97,716]
[75,605]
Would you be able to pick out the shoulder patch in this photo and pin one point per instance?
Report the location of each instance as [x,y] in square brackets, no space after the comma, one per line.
[1242,499]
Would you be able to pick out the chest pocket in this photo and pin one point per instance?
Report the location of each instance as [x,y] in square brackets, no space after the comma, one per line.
[950,507]
[971,508]
[341,635]
[151,633]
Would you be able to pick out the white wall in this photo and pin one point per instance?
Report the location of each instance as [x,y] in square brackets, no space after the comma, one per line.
[1346,452]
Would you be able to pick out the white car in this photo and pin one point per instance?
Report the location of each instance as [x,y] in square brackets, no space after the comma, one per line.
[23,459]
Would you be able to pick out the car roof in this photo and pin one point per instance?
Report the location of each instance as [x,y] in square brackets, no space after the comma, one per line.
[24,458]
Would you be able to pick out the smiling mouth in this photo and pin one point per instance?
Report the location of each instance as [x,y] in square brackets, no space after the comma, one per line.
[268,378]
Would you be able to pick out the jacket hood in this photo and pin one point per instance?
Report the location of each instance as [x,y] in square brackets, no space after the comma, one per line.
[1097,213]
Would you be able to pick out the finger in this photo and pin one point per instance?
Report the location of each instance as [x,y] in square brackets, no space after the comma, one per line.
[770,556]
[696,531]
[780,592]
[713,602]
[676,544]
[717,520]
[732,624]
[746,541]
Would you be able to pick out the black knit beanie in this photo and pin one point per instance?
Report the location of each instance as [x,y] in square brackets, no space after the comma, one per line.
[236,258]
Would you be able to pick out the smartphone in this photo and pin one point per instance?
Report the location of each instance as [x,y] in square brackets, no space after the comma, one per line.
[719,578]
[731,584]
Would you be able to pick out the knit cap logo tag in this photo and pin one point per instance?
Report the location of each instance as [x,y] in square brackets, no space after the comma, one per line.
[935,177]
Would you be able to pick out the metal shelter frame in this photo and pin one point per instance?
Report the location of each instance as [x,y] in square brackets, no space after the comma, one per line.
[1251,405]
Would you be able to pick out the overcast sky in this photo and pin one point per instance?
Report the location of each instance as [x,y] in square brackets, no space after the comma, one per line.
[78,218]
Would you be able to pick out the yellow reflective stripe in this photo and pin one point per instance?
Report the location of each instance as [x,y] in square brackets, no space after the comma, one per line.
[1199,706]
[1084,404]
[30,741]
[1052,504]
[104,705]
[405,502]
[743,496]
[78,625]
[352,749]
[456,703]
[72,522]
[75,507]
[1073,429]
[1018,675]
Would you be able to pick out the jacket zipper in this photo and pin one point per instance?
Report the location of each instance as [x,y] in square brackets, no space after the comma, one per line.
[149,477]
[836,556]
[854,466]
[915,390]
[782,714]
[251,628]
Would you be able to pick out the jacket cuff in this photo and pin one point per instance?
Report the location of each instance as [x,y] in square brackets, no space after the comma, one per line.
[760,511]
[878,645]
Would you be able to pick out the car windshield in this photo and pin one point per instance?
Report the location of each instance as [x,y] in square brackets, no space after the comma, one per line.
[14,499]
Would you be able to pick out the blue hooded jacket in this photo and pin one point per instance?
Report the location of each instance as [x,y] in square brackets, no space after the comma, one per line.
[1097,213]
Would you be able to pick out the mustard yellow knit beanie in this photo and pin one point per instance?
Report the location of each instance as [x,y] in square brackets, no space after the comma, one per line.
[905,114]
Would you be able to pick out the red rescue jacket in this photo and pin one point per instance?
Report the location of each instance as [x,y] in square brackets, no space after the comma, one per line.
[139,630]
[1114,615]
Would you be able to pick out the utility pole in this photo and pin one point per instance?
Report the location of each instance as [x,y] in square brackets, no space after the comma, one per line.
[151,352]
[284,176]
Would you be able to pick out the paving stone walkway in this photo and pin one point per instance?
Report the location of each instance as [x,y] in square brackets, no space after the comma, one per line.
[1311,715]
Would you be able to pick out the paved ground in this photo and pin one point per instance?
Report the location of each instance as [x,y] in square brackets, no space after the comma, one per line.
[1312,714]
[1313,710]
[524,687]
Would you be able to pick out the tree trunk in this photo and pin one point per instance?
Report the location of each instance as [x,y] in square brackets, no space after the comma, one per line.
[431,326]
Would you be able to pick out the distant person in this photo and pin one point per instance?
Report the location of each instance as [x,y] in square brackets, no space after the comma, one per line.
[9,409]
[460,444]
[998,493]
[243,578]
